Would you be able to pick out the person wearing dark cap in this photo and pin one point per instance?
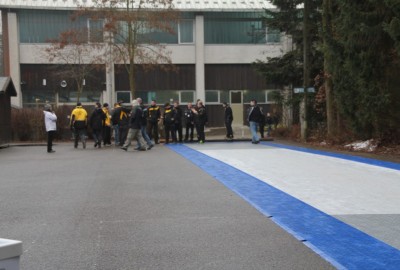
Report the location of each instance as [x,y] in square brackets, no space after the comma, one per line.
[96,123]
[200,120]
[228,120]
[78,123]
[50,121]
[107,126]
[169,122]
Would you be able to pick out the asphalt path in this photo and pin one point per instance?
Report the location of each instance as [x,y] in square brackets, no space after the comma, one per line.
[110,209]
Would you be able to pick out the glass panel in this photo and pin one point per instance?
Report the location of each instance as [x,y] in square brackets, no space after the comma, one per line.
[212,96]
[41,26]
[85,96]
[258,95]
[234,28]
[38,97]
[186,31]
[187,96]
[147,35]
[166,96]
[273,36]
[124,96]
[236,97]
[96,31]
[271,95]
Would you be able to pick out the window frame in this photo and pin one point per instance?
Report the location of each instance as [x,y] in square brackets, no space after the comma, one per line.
[89,31]
[187,91]
[193,32]
[213,102]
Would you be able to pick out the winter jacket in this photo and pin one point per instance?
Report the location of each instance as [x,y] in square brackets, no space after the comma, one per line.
[135,122]
[97,119]
[188,114]
[107,121]
[201,117]
[78,118]
[50,120]
[120,116]
[154,113]
[178,115]
[169,115]
[254,114]
[228,114]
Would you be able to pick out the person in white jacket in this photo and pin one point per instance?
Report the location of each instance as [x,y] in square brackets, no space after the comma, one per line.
[50,121]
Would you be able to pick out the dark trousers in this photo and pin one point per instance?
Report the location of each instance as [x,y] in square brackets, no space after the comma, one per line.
[189,128]
[79,133]
[107,135]
[229,131]
[262,130]
[200,132]
[152,130]
[50,137]
[123,133]
[170,129]
[178,129]
[97,135]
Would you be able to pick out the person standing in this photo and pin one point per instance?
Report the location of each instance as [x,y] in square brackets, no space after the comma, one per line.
[169,123]
[253,117]
[143,126]
[189,122]
[120,117]
[200,120]
[153,117]
[50,121]
[134,128]
[96,121]
[114,121]
[78,123]
[178,121]
[228,120]
[107,126]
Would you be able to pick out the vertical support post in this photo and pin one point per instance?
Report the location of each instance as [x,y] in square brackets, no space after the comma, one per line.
[200,62]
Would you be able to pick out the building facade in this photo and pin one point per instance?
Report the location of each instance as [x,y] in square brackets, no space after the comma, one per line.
[213,48]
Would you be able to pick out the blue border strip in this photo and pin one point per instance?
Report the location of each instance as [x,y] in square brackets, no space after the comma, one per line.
[337,242]
[370,161]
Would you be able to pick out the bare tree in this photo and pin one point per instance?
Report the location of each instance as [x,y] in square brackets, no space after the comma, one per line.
[77,57]
[131,29]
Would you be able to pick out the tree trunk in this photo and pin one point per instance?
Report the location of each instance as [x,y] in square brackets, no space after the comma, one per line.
[306,71]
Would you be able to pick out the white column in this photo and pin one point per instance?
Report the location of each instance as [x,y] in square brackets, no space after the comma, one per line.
[200,73]
[110,95]
[15,72]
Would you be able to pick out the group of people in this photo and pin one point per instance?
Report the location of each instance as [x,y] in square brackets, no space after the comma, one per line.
[139,123]
[142,123]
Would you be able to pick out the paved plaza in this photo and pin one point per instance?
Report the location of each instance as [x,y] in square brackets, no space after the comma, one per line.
[211,206]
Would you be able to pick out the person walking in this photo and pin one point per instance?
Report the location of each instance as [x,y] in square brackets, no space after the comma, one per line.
[169,123]
[134,128]
[115,126]
[253,117]
[189,122]
[228,120]
[96,123]
[153,117]
[50,121]
[178,121]
[262,123]
[143,126]
[200,120]
[120,118]
[107,126]
[78,123]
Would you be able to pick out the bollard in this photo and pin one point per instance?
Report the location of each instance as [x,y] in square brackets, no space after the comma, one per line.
[10,252]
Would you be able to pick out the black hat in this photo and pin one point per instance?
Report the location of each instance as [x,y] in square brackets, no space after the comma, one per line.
[166,104]
[105,105]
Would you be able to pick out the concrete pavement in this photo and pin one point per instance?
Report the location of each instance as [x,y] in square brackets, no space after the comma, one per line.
[110,209]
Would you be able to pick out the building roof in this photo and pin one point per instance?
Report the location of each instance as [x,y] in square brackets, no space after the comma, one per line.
[7,86]
[183,5]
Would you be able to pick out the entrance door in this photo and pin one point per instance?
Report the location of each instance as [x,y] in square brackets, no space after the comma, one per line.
[236,100]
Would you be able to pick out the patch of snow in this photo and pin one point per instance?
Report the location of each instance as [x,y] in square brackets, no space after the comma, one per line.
[369,145]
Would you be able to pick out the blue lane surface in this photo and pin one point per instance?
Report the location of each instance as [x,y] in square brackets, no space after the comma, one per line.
[342,245]
[370,161]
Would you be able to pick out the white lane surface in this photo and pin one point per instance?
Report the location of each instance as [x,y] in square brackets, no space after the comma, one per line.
[332,185]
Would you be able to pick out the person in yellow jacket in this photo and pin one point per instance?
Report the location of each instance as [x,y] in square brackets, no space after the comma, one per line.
[78,123]
[107,126]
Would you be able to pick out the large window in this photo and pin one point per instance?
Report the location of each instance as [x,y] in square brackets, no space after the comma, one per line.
[212,96]
[161,97]
[95,33]
[186,31]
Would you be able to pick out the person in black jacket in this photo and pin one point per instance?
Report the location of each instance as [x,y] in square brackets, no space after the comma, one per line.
[153,116]
[254,117]
[269,121]
[178,121]
[134,132]
[228,120]
[120,119]
[200,120]
[262,123]
[169,122]
[96,122]
[189,122]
